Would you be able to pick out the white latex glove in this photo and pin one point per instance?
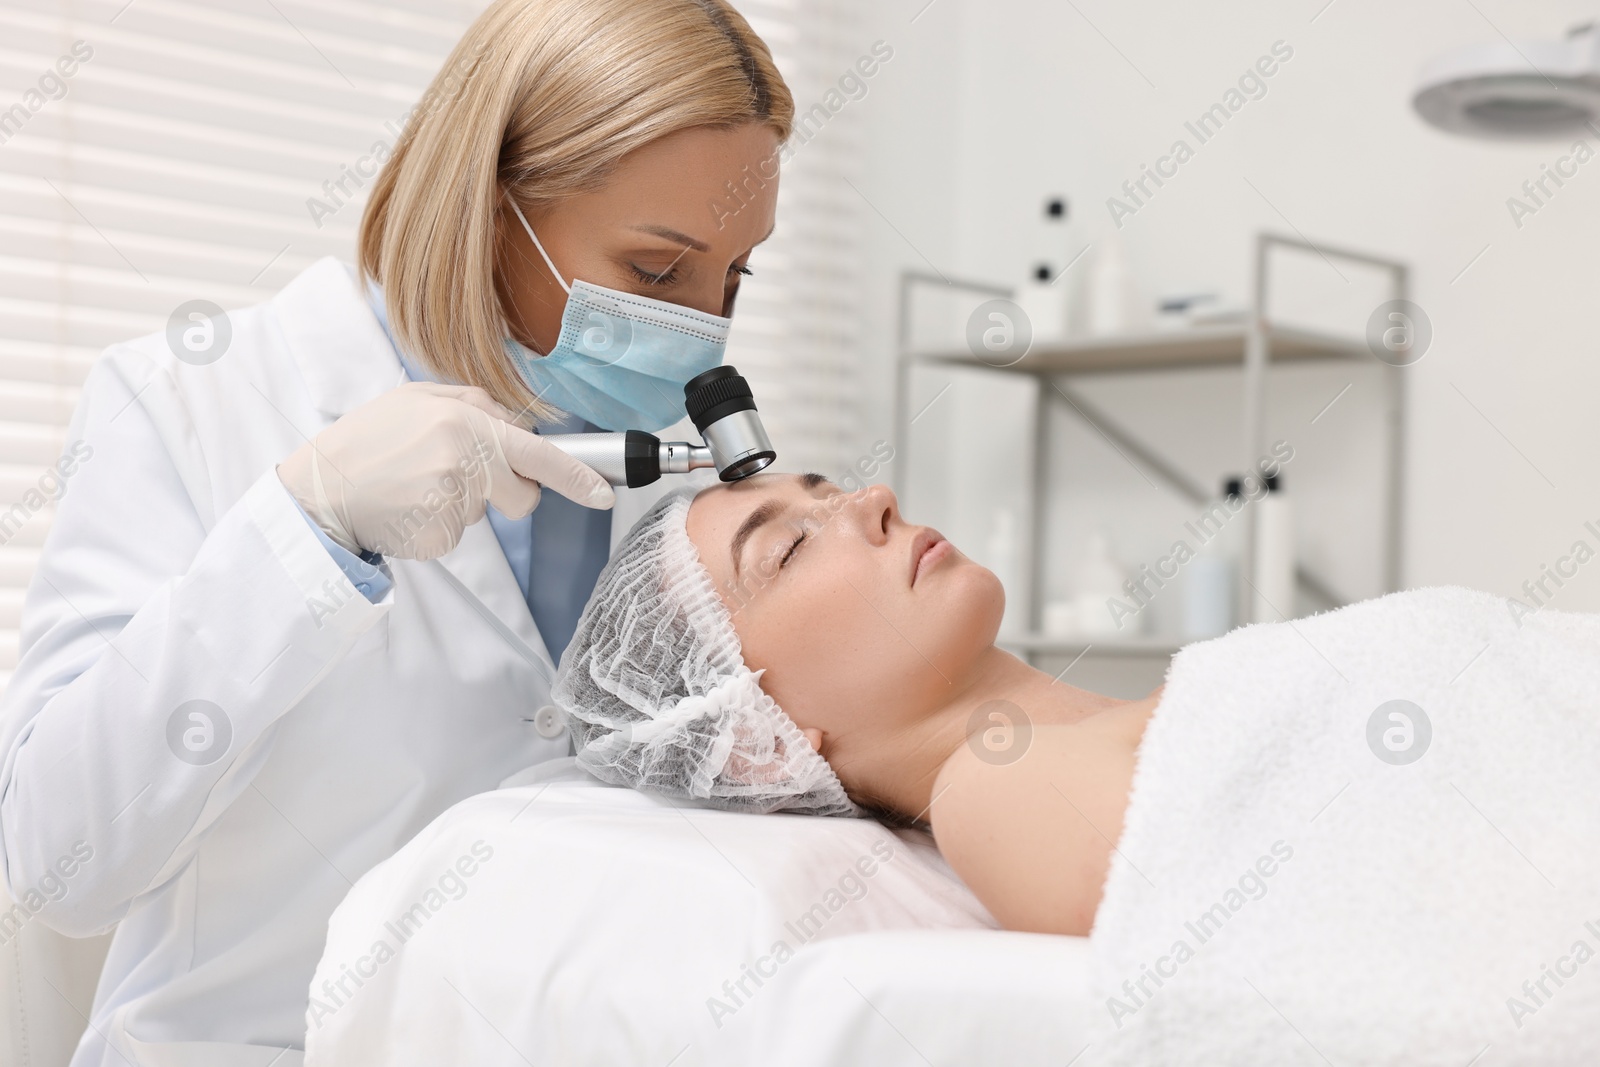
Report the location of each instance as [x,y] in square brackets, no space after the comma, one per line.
[406,473]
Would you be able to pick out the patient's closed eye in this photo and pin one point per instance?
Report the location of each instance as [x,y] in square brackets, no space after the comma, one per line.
[793,547]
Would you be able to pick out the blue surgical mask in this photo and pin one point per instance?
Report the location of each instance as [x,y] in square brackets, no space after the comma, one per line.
[622,360]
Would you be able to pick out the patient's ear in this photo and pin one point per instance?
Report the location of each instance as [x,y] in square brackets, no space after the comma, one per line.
[814,735]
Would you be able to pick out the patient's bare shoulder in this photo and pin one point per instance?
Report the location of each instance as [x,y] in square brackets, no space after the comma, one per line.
[1032,836]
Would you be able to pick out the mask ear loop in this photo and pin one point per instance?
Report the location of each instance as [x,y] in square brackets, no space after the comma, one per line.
[536,244]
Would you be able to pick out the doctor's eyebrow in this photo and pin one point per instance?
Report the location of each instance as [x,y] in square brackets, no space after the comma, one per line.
[667,233]
[763,514]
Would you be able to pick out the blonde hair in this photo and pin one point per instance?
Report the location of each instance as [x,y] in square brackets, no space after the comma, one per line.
[540,100]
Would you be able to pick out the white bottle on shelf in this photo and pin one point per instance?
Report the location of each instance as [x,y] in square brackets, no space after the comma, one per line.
[1001,556]
[1111,297]
[1048,306]
[1099,580]
[1211,584]
[1046,297]
[1274,563]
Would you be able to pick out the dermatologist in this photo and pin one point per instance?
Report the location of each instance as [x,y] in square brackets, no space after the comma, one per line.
[269,638]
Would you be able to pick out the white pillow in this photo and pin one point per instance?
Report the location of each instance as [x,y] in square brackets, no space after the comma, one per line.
[559,920]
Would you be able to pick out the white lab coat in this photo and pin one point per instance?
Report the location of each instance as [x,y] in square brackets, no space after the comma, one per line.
[179,569]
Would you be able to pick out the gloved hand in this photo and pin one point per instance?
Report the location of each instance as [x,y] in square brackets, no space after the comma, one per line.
[406,473]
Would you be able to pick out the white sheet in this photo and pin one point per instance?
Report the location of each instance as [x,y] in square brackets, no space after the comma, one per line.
[605,927]
[1303,879]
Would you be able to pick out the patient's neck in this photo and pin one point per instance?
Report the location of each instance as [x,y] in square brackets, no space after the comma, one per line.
[1009,692]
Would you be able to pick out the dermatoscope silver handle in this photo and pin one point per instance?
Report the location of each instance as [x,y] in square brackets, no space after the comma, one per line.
[722,409]
[632,458]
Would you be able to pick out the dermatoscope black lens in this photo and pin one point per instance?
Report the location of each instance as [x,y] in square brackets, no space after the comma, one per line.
[716,394]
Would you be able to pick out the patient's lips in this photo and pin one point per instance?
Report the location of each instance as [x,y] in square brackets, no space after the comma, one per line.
[928,547]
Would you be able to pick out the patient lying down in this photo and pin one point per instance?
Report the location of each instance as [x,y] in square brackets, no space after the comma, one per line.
[1380,817]
[780,645]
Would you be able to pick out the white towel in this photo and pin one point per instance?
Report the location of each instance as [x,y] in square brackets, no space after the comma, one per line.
[1283,894]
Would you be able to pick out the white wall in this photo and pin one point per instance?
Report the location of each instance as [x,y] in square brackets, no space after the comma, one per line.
[990,105]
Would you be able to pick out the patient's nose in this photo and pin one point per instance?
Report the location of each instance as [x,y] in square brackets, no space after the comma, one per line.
[876,511]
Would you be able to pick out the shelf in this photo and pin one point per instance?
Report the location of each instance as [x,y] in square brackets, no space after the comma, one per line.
[1043,644]
[1252,345]
[1199,346]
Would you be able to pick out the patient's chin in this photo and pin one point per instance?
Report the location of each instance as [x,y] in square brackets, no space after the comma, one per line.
[995,601]
[981,584]
[971,604]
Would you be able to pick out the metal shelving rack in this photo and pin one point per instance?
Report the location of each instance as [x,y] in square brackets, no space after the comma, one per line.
[1254,344]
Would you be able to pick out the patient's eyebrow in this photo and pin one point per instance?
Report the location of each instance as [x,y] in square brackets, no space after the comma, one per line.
[758,518]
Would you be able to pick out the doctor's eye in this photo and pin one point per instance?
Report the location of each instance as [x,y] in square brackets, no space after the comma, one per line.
[666,277]
[736,269]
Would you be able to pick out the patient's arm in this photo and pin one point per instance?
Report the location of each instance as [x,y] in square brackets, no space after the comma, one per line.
[1033,838]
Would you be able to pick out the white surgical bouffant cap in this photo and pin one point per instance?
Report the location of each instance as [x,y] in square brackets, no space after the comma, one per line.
[657,694]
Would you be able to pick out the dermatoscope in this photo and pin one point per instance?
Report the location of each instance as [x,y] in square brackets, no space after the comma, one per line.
[723,410]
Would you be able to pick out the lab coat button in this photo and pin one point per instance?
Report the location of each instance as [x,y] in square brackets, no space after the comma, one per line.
[547,720]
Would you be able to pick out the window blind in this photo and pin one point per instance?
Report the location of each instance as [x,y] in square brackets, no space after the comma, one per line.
[796,332]
[155,152]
